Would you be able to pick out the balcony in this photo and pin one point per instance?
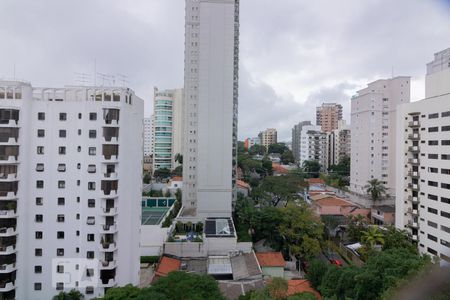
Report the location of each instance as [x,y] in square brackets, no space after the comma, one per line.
[8,268]
[413,186]
[7,214]
[8,159]
[110,176]
[413,174]
[106,228]
[413,199]
[7,231]
[413,149]
[8,177]
[111,134]
[415,237]
[107,265]
[8,195]
[414,212]
[108,283]
[108,159]
[6,286]
[112,211]
[413,224]
[414,124]
[9,123]
[9,135]
[111,116]
[108,247]
[414,161]
[414,136]
[7,250]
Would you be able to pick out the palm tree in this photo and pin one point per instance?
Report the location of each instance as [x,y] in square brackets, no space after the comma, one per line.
[376,189]
[373,236]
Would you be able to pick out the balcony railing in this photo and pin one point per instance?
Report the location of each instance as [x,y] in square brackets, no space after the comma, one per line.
[4,214]
[413,199]
[413,186]
[108,264]
[7,268]
[6,286]
[7,231]
[413,224]
[414,161]
[7,250]
[413,174]
[414,136]
[414,124]
[413,149]
[413,211]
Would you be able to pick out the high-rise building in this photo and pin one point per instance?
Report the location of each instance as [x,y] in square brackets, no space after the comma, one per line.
[70,168]
[338,144]
[313,144]
[268,137]
[328,115]
[423,163]
[167,128]
[211,96]
[296,139]
[373,132]
[148,138]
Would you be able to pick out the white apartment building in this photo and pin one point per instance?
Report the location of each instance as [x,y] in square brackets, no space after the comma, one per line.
[313,144]
[268,137]
[338,144]
[423,163]
[70,168]
[167,127]
[296,139]
[148,137]
[211,96]
[373,132]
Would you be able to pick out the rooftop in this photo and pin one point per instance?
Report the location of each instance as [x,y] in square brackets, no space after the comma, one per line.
[315,181]
[385,208]
[296,286]
[270,259]
[154,209]
[219,227]
[245,266]
[333,201]
[167,265]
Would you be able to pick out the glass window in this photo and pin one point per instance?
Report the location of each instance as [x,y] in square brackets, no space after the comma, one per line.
[92,116]
[41,116]
[62,116]
[62,133]
[40,132]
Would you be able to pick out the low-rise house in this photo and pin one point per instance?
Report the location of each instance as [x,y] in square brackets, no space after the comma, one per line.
[383,215]
[278,169]
[326,205]
[243,187]
[272,263]
[167,265]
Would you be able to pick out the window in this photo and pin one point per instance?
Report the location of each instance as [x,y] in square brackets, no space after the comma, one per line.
[62,116]
[445,171]
[37,286]
[39,184]
[61,167]
[60,286]
[39,167]
[91,202]
[38,218]
[433,156]
[432,197]
[445,185]
[89,272]
[433,170]
[61,184]
[59,269]
[432,210]
[445,228]
[433,116]
[445,214]
[79,148]
[445,114]
[90,237]
[90,254]
[432,237]
[60,218]
[90,221]
[445,200]
[445,142]
[38,235]
[432,183]
[59,252]
[433,129]
[92,150]
[79,116]
[62,133]
[61,201]
[39,201]
[60,235]
[445,128]
[62,150]
[37,269]
[37,252]
[91,186]
[432,224]
[92,134]
[92,116]
[91,169]
[79,131]
[445,156]
[40,149]
[89,290]
[40,133]
[41,116]
[433,143]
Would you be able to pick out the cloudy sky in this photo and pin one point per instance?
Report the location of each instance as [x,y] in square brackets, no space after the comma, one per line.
[295,54]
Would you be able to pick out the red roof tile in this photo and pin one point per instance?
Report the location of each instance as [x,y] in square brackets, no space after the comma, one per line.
[177,178]
[296,286]
[270,259]
[315,181]
[332,201]
[242,184]
[167,265]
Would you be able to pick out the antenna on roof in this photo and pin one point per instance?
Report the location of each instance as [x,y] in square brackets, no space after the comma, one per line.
[82,78]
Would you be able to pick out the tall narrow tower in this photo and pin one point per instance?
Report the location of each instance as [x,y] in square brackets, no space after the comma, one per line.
[211,98]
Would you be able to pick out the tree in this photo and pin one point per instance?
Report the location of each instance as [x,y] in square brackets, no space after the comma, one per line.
[376,189]
[303,296]
[279,148]
[301,230]
[287,157]
[162,173]
[241,147]
[72,295]
[373,236]
[356,226]
[277,288]
[178,171]
[312,167]
[179,158]
[397,239]
[257,149]
[316,271]
[147,178]
[281,188]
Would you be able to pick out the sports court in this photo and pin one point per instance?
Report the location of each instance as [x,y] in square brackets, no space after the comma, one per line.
[154,209]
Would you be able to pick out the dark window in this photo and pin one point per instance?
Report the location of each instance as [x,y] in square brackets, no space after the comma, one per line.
[433,143]
[445,228]
[445,128]
[91,202]
[433,156]
[433,116]
[92,151]
[89,272]
[432,197]
[40,149]
[445,156]
[60,234]
[60,286]
[92,134]
[39,218]
[79,115]
[445,186]
[445,114]
[62,116]
[433,129]
[41,116]
[432,183]
[38,235]
[89,290]
[61,201]
[62,150]
[445,142]
[90,237]
[432,224]
[59,252]
[37,286]
[433,170]
[432,237]
[92,116]
[41,133]
[432,210]
[60,218]
[432,251]
[37,269]
[39,184]
[445,200]
[445,171]
[90,254]
[39,167]
[445,214]
[62,133]
[61,184]
[39,201]
[91,186]
[37,252]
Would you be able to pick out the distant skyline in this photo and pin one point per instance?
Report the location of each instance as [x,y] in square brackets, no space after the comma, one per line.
[294,54]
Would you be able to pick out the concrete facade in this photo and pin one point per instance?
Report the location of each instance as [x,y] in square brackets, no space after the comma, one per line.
[313,144]
[373,132]
[71,161]
[148,138]
[423,164]
[296,139]
[211,95]
[328,116]
[268,137]
[338,144]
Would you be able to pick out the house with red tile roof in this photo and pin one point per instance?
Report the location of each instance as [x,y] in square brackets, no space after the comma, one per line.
[243,187]
[279,169]
[167,265]
[298,286]
[272,263]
